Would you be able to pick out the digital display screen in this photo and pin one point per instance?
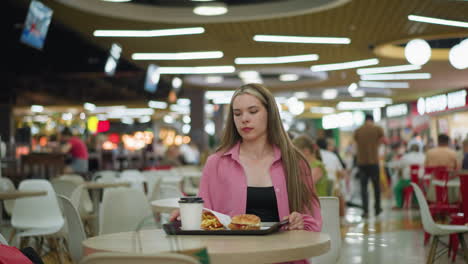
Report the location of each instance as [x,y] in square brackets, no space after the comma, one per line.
[152,78]
[36,25]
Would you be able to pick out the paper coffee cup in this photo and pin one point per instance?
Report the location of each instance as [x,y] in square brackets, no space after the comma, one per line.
[191,209]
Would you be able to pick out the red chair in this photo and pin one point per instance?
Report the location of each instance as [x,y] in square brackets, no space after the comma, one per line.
[441,206]
[408,191]
[459,218]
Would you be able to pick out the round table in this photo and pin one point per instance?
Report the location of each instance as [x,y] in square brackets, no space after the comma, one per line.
[165,205]
[278,247]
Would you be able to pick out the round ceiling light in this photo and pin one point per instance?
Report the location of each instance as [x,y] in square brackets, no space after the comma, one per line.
[458,55]
[211,9]
[418,52]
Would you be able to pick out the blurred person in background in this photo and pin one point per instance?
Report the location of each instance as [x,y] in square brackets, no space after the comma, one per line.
[331,146]
[465,154]
[442,155]
[172,157]
[368,139]
[191,153]
[416,140]
[159,149]
[77,150]
[312,154]
[413,157]
[335,172]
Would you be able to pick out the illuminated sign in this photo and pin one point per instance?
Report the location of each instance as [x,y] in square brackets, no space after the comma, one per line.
[344,119]
[396,110]
[442,102]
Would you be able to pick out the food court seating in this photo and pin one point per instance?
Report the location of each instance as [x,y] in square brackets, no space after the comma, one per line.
[437,230]
[76,233]
[136,179]
[105,176]
[408,191]
[7,185]
[154,184]
[460,218]
[121,258]
[123,209]
[39,215]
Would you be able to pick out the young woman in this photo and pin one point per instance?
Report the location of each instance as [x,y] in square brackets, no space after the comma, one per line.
[312,154]
[257,169]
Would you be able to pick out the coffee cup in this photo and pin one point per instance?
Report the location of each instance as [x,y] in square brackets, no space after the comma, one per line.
[191,209]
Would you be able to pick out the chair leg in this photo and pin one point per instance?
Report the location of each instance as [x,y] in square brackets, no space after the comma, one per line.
[12,235]
[463,244]
[432,251]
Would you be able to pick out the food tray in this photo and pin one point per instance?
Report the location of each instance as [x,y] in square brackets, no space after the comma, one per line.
[173,228]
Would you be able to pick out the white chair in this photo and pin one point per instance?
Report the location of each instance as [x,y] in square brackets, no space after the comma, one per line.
[63,187]
[7,185]
[136,179]
[438,230]
[3,240]
[105,176]
[124,258]
[76,232]
[39,215]
[85,203]
[331,225]
[76,178]
[154,184]
[123,209]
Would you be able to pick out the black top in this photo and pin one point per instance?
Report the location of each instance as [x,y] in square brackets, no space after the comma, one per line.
[261,201]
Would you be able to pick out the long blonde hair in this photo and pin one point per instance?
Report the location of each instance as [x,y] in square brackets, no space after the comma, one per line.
[296,167]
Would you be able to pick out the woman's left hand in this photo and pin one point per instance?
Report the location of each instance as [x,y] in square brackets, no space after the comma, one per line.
[296,222]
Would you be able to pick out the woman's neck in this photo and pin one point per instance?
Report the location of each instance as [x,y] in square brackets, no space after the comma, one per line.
[256,149]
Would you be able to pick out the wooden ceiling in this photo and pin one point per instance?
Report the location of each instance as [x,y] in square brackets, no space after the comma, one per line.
[368,23]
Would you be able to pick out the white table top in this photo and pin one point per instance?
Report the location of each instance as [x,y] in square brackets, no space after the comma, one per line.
[279,247]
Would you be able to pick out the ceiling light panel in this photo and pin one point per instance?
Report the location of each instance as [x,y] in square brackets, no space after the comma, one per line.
[360,105]
[379,70]
[329,94]
[179,55]
[197,70]
[149,33]
[438,21]
[344,65]
[211,9]
[276,60]
[288,77]
[400,76]
[370,84]
[301,39]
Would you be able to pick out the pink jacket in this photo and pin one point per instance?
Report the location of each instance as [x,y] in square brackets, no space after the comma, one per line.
[223,187]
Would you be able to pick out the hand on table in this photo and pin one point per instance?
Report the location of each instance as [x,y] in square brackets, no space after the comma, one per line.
[175,215]
[296,222]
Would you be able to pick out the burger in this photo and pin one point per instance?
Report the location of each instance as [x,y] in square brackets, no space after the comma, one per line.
[245,222]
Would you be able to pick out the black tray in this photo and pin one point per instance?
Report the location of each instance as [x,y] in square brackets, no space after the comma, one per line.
[173,228]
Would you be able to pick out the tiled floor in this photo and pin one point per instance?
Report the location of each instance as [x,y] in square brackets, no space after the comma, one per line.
[396,236]
[393,237]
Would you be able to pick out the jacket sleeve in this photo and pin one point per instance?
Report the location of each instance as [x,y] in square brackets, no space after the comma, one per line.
[209,173]
[313,220]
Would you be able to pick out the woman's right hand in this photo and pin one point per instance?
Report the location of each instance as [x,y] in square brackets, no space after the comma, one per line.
[175,215]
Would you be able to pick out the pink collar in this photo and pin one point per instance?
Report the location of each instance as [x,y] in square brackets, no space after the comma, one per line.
[234,152]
